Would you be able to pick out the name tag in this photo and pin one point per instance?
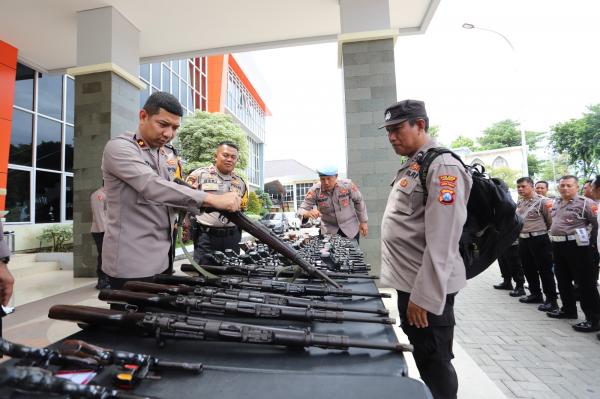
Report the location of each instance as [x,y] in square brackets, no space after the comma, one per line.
[210,187]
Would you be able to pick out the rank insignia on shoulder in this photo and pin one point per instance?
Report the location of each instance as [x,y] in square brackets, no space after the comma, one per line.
[446,196]
[141,143]
[415,166]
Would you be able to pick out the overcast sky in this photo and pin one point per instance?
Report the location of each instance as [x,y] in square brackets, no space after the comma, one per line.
[468,78]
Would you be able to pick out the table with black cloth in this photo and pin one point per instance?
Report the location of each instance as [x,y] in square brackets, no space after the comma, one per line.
[235,370]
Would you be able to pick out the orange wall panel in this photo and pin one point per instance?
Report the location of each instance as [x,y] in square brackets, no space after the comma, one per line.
[8,69]
[215,82]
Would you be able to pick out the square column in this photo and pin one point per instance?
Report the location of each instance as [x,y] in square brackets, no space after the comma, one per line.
[106,105]
[369,88]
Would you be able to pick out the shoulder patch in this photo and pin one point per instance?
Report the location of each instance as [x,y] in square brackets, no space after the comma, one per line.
[446,196]
[594,209]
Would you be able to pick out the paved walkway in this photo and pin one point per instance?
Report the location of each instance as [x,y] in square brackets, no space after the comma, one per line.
[526,354]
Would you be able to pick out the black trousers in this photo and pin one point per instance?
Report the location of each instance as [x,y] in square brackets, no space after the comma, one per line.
[357,237]
[510,266]
[205,243]
[98,239]
[536,255]
[575,263]
[433,348]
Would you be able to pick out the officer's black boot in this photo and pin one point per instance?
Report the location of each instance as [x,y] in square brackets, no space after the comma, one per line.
[549,306]
[517,292]
[505,285]
[533,298]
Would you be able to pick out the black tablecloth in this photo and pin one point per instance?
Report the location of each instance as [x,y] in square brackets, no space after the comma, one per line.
[235,370]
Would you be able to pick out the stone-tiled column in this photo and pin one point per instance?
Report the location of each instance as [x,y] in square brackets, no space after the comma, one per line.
[369,87]
[106,105]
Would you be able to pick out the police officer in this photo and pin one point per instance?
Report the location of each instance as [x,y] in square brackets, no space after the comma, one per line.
[212,231]
[338,203]
[534,245]
[6,279]
[572,214]
[98,203]
[541,188]
[420,244]
[138,169]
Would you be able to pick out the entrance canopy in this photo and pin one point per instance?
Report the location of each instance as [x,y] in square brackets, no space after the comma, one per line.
[45,32]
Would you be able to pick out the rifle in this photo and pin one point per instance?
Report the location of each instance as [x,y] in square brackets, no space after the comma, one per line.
[216,306]
[280,287]
[265,271]
[246,295]
[268,237]
[144,364]
[43,357]
[33,379]
[164,325]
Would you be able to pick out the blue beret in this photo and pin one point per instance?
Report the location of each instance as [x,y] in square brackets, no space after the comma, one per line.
[328,170]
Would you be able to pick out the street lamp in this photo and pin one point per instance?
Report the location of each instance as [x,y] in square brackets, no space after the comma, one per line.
[524,166]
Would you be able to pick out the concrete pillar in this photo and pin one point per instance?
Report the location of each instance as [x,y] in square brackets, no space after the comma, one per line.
[369,87]
[106,105]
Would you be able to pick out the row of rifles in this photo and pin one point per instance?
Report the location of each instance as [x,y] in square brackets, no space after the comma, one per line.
[296,279]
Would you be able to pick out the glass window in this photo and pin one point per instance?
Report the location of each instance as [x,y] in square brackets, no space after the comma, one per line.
[301,190]
[70,111]
[24,87]
[166,79]
[175,91]
[183,70]
[48,144]
[143,97]
[69,199]
[18,196]
[156,74]
[182,90]
[145,72]
[21,137]
[69,130]
[50,95]
[47,197]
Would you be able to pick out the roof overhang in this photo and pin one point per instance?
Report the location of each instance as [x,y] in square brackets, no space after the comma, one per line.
[45,32]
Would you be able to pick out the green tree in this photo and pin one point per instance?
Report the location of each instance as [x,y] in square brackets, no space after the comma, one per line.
[434,132]
[505,173]
[463,141]
[506,133]
[265,200]
[561,168]
[579,139]
[254,204]
[201,132]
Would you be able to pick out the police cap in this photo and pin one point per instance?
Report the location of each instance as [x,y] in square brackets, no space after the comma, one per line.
[327,170]
[403,111]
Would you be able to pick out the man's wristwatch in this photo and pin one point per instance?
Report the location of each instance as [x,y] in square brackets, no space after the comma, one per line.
[5,260]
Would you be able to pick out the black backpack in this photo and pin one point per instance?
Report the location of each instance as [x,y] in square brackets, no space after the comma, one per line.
[492,224]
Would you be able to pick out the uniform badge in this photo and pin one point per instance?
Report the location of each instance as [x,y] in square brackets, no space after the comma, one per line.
[594,209]
[447,181]
[345,202]
[141,143]
[403,182]
[446,196]
[415,166]
[210,186]
[171,162]
[548,205]
[388,116]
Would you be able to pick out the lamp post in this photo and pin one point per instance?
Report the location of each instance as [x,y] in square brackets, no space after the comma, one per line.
[524,167]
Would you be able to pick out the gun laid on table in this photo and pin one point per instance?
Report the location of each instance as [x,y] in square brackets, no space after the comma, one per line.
[215,306]
[163,325]
[247,296]
[37,380]
[268,237]
[280,287]
[43,357]
[264,271]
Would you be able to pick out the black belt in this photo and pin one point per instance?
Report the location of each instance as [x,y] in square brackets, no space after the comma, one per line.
[219,231]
